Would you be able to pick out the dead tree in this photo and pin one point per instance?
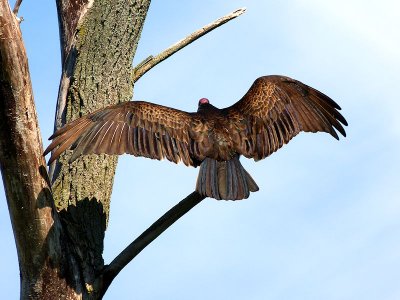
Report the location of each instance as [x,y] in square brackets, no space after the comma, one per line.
[59,219]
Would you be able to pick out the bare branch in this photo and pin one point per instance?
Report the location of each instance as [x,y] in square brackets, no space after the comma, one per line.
[130,252]
[152,61]
[16,6]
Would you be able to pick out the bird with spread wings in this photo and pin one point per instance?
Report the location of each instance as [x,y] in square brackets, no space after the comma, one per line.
[270,114]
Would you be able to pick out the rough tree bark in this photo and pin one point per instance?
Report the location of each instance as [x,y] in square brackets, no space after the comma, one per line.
[60,254]
[98,49]
[59,221]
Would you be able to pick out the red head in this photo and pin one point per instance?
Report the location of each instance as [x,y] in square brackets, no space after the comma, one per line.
[203,101]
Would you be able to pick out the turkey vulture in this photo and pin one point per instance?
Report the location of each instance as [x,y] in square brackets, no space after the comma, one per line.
[274,110]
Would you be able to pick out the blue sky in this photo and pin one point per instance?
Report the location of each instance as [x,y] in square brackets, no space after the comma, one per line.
[326,221]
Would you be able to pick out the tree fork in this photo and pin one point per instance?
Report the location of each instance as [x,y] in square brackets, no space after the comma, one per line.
[60,246]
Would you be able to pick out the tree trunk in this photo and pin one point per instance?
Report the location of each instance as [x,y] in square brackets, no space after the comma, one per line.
[97,71]
[60,254]
[37,229]
[59,223]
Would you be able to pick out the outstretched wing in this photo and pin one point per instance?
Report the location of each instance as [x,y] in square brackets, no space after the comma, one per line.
[135,127]
[276,109]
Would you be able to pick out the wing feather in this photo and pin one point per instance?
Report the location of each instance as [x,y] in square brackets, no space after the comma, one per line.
[137,127]
[277,108]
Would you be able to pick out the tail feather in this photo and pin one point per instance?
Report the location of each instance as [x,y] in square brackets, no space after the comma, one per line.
[226,180]
[253,187]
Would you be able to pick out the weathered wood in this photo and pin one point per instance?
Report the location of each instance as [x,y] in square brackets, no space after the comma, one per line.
[36,227]
[69,14]
[16,6]
[60,246]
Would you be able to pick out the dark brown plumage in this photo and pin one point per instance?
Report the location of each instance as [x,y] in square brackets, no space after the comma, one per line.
[273,111]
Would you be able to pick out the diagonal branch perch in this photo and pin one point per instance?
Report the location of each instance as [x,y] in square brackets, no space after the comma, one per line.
[130,252]
[170,217]
[152,61]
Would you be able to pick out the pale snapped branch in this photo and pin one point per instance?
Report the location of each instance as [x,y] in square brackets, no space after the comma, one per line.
[152,61]
[130,252]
